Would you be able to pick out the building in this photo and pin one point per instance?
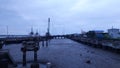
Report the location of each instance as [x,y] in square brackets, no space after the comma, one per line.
[95,34]
[98,31]
[114,33]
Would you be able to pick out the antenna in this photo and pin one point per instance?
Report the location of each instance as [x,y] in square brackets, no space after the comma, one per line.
[7,30]
[31,29]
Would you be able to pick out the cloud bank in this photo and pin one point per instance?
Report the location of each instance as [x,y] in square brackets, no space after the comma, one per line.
[67,16]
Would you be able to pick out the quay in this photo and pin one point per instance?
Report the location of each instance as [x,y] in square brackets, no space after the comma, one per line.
[106,44]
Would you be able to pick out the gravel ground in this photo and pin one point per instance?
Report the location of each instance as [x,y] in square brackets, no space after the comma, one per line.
[64,53]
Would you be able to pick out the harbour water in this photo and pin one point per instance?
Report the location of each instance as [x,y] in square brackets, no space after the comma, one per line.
[65,53]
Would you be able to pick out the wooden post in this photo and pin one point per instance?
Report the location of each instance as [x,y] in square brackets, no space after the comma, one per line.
[43,43]
[35,65]
[30,46]
[46,43]
[1,44]
[35,56]
[24,58]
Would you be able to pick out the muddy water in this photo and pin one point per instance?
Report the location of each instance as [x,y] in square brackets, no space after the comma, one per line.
[64,53]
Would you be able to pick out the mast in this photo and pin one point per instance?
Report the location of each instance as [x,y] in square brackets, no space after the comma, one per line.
[7,31]
[31,33]
[48,30]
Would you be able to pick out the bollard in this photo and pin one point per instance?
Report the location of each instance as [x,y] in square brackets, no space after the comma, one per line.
[48,65]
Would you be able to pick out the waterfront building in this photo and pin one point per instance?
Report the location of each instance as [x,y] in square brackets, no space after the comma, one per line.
[114,33]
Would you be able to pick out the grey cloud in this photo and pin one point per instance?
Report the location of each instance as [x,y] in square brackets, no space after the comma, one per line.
[67,16]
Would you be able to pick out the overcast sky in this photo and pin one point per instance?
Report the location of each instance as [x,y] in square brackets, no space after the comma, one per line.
[67,16]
